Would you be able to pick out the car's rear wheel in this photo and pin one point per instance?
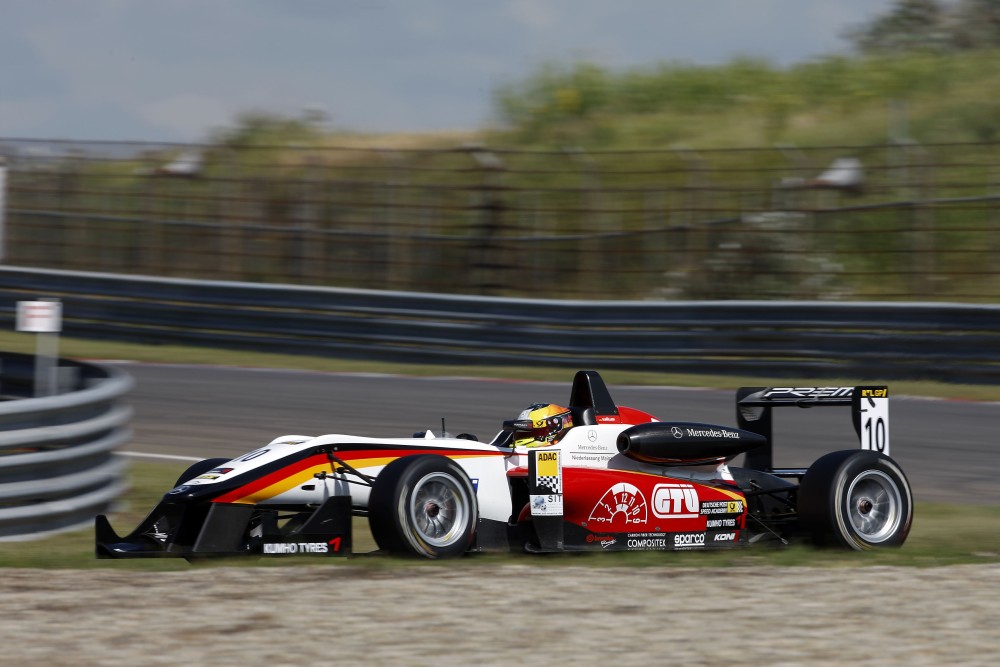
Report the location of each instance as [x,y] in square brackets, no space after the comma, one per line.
[423,505]
[855,499]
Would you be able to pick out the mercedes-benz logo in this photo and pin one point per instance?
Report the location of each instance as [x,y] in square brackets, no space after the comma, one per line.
[592,435]
[677,431]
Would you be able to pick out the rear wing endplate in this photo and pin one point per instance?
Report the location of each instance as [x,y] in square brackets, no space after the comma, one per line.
[869,413]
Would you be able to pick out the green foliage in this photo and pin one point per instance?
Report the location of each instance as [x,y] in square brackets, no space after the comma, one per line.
[749,102]
[653,153]
[259,129]
[558,94]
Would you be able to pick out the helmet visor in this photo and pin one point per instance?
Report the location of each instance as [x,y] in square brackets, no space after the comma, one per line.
[524,429]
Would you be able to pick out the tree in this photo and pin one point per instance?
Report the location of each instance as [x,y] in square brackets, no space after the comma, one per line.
[931,25]
[976,24]
[911,25]
[263,128]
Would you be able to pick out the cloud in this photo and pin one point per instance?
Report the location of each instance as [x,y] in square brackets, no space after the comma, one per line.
[532,14]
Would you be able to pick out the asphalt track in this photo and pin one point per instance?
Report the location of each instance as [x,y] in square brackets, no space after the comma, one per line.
[947,448]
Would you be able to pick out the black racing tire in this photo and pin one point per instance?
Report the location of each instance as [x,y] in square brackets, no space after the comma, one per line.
[423,505]
[199,468]
[855,499]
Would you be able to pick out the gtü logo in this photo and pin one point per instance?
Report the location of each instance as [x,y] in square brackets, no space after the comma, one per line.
[675,501]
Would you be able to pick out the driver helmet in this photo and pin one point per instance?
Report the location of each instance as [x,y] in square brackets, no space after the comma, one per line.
[540,424]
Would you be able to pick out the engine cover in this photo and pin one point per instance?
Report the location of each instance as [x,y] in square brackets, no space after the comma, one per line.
[685,443]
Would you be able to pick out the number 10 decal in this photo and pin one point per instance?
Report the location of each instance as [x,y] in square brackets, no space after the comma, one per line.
[871,416]
[875,435]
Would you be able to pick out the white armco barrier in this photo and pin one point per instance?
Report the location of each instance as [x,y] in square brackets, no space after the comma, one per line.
[58,461]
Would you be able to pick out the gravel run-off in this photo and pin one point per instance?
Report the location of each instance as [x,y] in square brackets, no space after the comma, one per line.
[502,615]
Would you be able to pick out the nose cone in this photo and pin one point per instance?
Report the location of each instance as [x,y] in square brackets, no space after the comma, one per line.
[192,492]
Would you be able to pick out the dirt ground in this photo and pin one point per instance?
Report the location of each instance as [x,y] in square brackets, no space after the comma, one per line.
[509,614]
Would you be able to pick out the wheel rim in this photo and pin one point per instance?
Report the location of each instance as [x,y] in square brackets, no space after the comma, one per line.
[874,506]
[439,510]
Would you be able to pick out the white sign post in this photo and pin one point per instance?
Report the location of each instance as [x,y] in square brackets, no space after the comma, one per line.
[45,319]
[3,208]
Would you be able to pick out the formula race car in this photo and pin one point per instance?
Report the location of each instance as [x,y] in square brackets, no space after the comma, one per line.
[591,476]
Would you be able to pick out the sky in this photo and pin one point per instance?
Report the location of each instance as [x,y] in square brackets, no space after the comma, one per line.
[175,70]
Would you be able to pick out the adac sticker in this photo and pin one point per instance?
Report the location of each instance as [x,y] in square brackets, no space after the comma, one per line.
[548,471]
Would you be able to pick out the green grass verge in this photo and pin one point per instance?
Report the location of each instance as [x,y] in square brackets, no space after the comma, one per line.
[97,350]
[941,535]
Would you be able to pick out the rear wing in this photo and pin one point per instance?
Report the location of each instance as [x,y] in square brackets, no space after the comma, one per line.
[869,413]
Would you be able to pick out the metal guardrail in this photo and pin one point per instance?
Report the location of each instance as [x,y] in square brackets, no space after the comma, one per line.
[806,339]
[57,463]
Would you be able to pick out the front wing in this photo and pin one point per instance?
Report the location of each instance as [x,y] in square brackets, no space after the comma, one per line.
[213,529]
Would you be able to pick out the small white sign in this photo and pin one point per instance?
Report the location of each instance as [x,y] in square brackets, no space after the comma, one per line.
[547,505]
[39,316]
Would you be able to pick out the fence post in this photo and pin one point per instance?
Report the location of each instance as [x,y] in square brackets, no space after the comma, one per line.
[790,198]
[491,260]
[400,270]
[697,234]
[594,197]
[922,246]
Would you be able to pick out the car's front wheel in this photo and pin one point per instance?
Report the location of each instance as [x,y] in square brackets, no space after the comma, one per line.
[423,505]
[856,499]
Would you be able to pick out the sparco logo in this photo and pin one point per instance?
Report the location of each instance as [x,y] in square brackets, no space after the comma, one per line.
[689,540]
[295,548]
[675,501]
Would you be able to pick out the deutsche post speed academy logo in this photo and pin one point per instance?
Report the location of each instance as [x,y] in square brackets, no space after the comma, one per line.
[722,507]
[548,471]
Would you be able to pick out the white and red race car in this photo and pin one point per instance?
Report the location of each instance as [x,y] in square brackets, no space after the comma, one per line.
[618,479]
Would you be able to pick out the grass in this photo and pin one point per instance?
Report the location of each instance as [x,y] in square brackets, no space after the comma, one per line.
[175,354]
[941,535]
